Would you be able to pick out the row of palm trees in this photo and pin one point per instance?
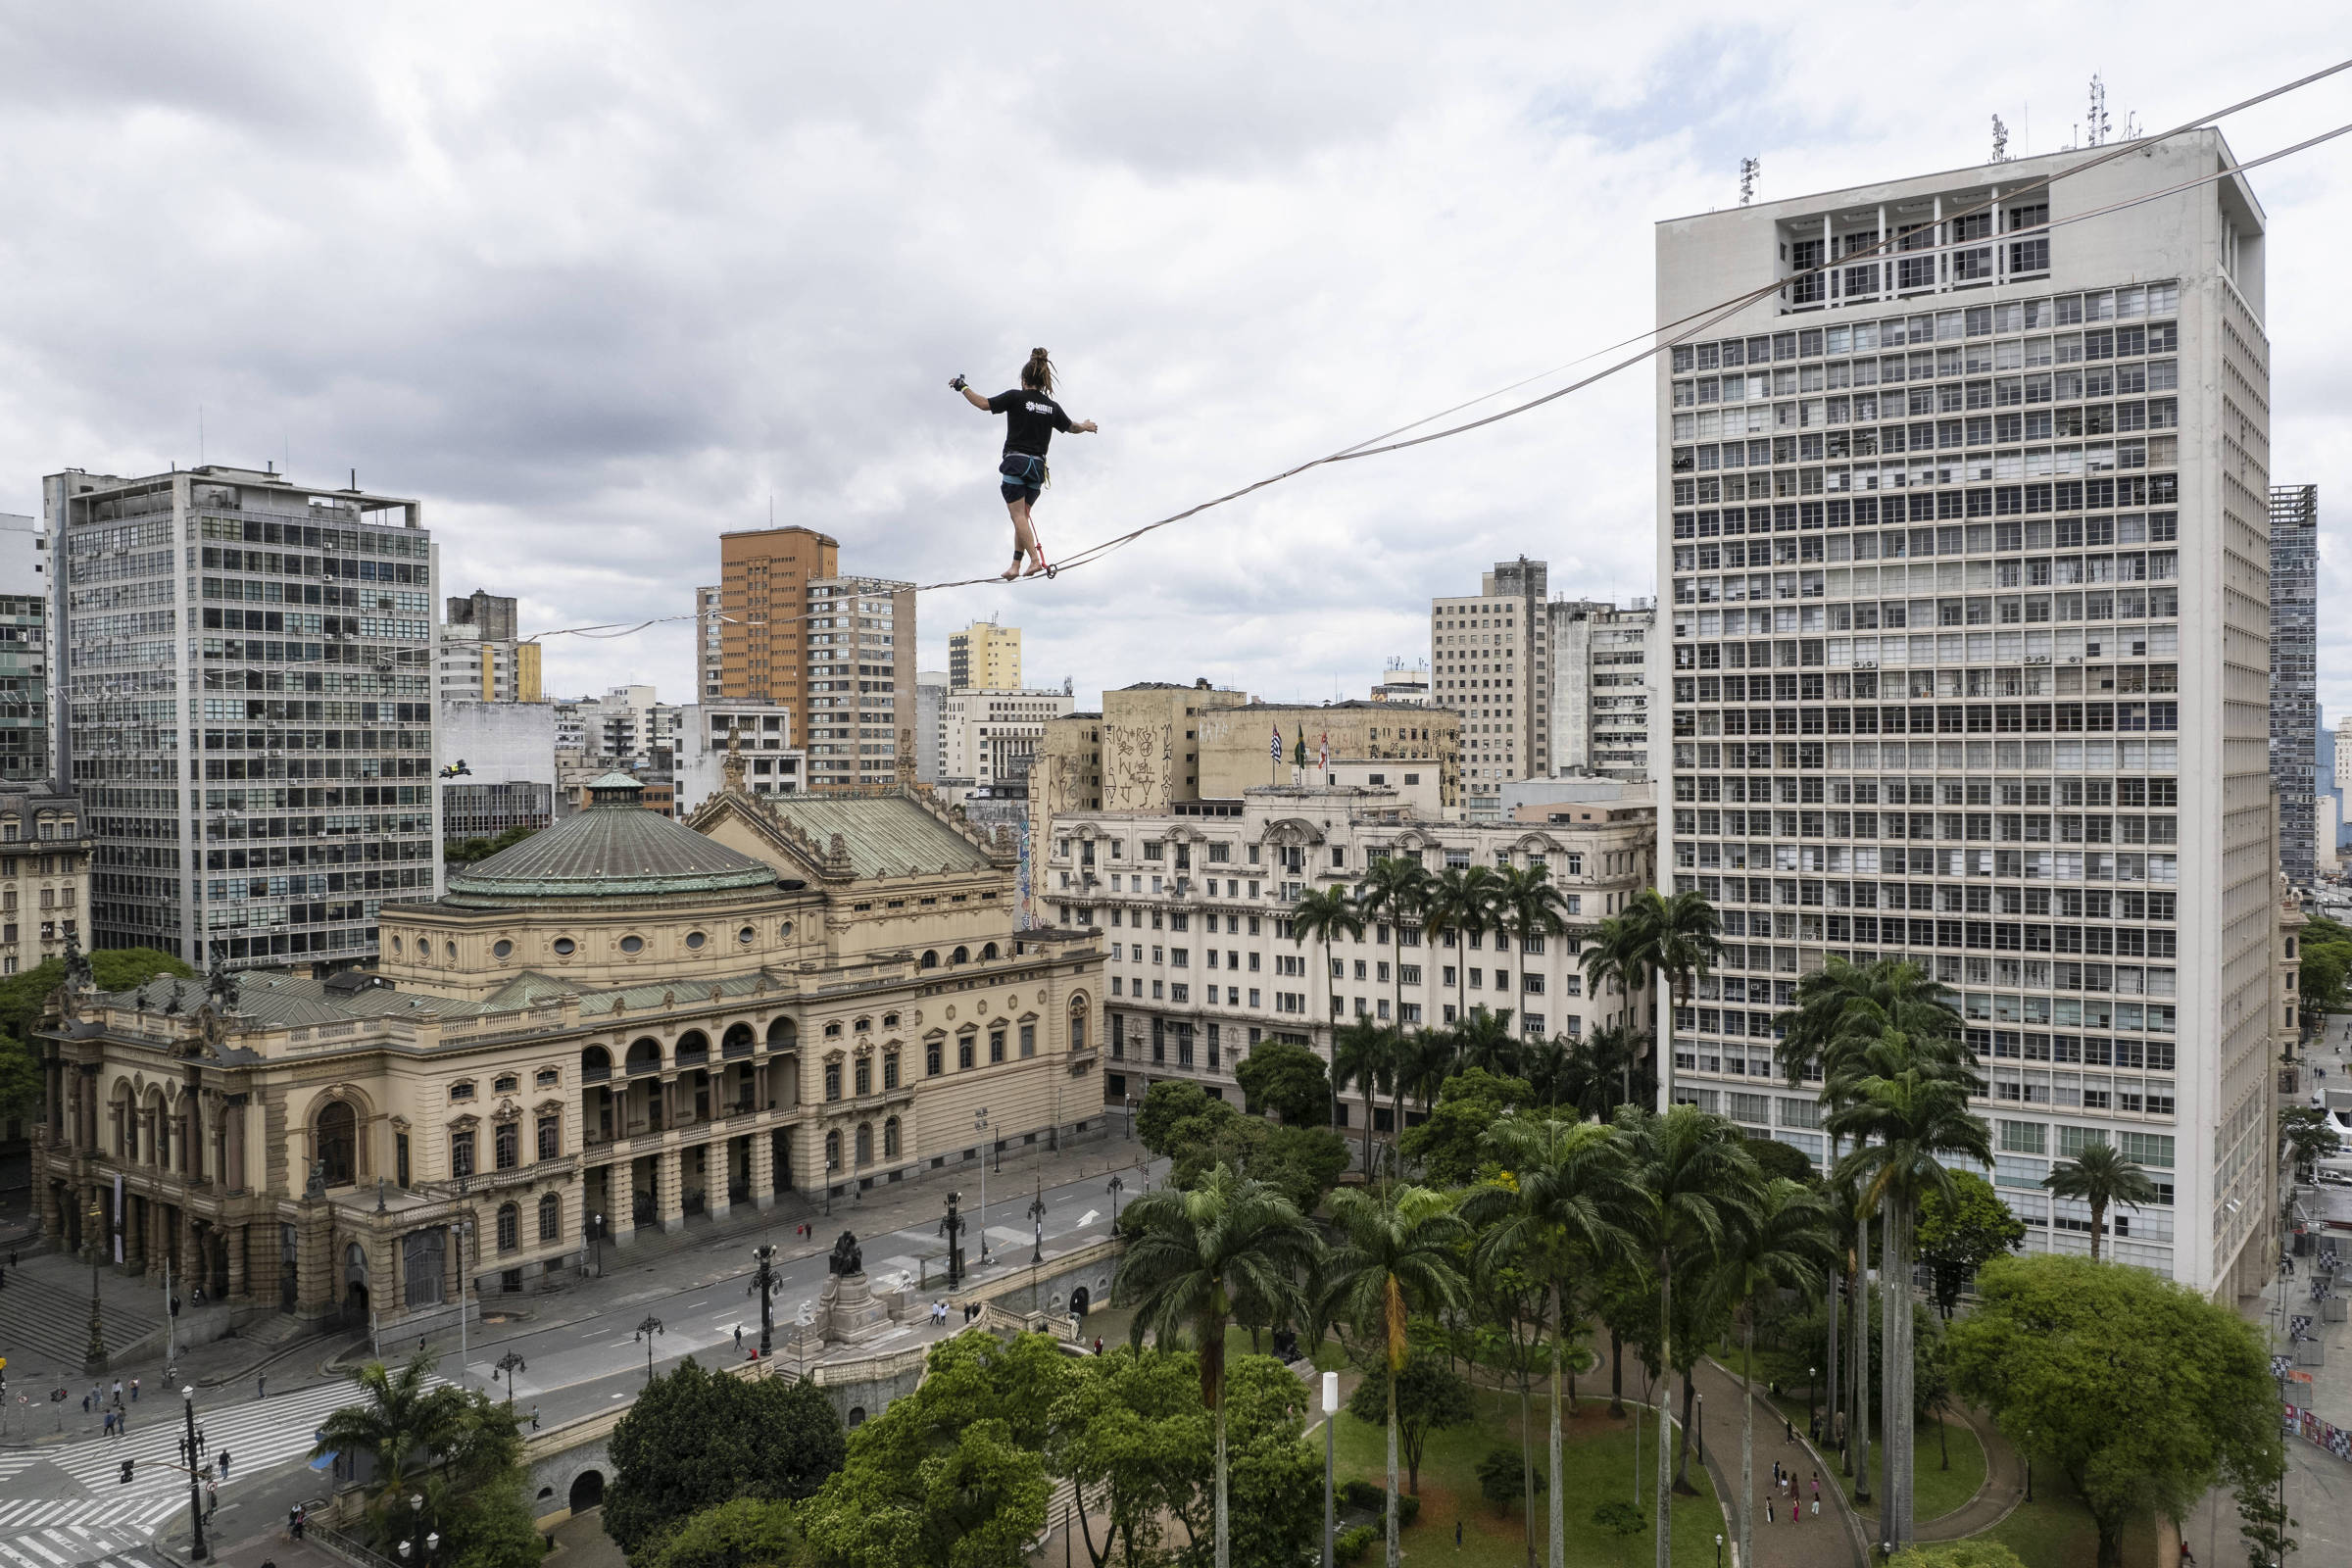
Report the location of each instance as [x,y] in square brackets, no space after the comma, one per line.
[1677,1191]
[1658,939]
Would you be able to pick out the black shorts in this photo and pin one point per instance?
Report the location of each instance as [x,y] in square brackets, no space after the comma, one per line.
[1021,476]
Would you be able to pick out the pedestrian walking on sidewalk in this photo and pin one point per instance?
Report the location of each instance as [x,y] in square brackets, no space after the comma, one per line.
[1769,1510]
[108,1425]
[225,1465]
[739,1336]
[262,1388]
[134,1390]
[117,1391]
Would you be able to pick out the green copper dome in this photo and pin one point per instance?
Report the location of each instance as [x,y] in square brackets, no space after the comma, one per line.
[611,848]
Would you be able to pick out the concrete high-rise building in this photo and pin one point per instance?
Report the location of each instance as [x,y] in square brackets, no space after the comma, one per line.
[1599,708]
[1403,683]
[764,575]
[991,736]
[1489,661]
[1966,547]
[2295,675]
[494,618]
[710,649]
[483,657]
[253,744]
[930,726]
[861,704]
[983,657]
[27,656]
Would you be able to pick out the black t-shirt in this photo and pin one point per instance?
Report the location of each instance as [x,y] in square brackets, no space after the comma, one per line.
[1030,421]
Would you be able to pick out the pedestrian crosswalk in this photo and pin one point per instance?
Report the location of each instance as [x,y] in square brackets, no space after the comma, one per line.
[114,1517]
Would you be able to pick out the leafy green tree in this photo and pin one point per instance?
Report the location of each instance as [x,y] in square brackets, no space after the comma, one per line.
[2306,1135]
[2140,1391]
[1608,1067]
[1500,1477]
[1276,1514]
[24,998]
[1779,1241]
[2102,1177]
[1325,915]
[1561,1209]
[2324,962]
[1399,1252]
[1485,1040]
[1193,1260]
[1286,1079]
[1619,1519]
[1527,904]
[1961,1229]
[1672,940]
[1364,1054]
[465,852]
[746,1533]
[1197,1132]
[1167,1104]
[1445,1148]
[1131,1431]
[1429,1396]
[697,1438]
[1779,1161]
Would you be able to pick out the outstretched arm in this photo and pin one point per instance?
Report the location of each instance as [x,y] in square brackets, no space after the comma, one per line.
[974,399]
[1085,426]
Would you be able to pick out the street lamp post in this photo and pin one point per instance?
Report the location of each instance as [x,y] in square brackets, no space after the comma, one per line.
[1130,1118]
[646,1331]
[596,1249]
[763,1281]
[460,1229]
[831,1165]
[508,1365]
[1810,1373]
[980,1125]
[197,1553]
[1118,1186]
[1331,1421]
[952,1229]
[1699,1429]
[1718,1549]
[2029,1464]
[1037,1224]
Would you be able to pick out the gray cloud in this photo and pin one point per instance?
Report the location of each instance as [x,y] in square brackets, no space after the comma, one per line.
[599,282]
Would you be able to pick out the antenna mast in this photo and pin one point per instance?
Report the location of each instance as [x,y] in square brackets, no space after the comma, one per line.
[1750,168]
[2000,141]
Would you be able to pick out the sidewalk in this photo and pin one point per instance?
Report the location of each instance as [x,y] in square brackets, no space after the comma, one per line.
[1834,1540]
[2003,1490]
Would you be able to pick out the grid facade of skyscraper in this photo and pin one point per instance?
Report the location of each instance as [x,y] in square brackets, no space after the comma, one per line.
[1963,531]
[2295,675]
[247,709]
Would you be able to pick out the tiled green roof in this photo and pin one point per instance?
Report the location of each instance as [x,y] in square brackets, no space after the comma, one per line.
[886,835]
[613,848]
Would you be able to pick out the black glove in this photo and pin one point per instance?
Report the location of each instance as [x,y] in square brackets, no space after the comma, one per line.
[957,384]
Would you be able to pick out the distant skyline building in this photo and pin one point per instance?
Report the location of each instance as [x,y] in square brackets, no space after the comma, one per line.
[1489,661]
[1598,697]
[710,650]
[483,659]
[252,743]
[983,657]
[2295,675]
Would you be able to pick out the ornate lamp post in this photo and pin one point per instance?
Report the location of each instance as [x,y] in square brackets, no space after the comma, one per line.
[1118,1186]
[508,1365]
[952,1229]
[1037,1224]
[980,1125]
[93,1358]
[196,1553]
[763,1282]
[646,1331]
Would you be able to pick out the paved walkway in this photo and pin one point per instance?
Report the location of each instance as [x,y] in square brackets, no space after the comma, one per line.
[2003,1490]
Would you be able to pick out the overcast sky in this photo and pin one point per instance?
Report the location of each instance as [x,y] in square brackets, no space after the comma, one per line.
[599,283]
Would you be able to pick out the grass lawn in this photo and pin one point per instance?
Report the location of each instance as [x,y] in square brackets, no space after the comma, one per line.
[1936,1491]
[2055,1531]
[1598,1460]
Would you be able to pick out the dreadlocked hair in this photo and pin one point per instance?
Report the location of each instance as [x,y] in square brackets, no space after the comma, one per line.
[1038,375]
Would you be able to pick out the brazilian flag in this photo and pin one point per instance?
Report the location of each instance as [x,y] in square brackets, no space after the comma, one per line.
[1301,754]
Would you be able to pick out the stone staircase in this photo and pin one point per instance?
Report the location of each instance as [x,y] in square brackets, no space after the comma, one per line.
[45,1328]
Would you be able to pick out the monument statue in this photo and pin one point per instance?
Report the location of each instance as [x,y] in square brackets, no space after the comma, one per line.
[846,1258]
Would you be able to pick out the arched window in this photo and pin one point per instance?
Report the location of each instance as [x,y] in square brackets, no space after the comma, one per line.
[987,953]
[338,1143]
[1078,1023]
[862,1025]
[782,1035]
[738,1042]
[644,1055]
[866,1143]
[550,1218]
[510,1227]
[596,1065]
[832,1151]
[890,1139]
[694,1048]
[960,955]
[930,959]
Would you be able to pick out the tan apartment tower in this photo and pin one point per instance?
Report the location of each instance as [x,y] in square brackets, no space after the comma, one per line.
[983,657]
[764,575]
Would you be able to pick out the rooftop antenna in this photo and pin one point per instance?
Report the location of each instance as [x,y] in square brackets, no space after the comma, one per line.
[2097,122]
[1750,168]
[2000,141]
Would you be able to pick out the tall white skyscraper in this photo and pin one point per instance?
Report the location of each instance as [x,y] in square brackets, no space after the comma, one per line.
[1966,554]
[247,709]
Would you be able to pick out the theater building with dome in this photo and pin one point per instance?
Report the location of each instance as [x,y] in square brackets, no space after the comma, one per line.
[622,1024]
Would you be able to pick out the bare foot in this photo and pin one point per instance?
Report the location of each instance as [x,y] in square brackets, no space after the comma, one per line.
[1011,572]
[1041,568]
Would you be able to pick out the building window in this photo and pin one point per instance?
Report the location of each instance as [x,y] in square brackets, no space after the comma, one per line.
[1028,1039]
[832,1153]
[461,1153]
[866,1143]
[890,1139]
[510,1227]
[864,1077]
[338,1143]
[890,1071]
[421,1255]
[550,1218]
[832,1080]
[966,1045]
[931,1058]
[400,1158]
[508,1148]
[551,1137]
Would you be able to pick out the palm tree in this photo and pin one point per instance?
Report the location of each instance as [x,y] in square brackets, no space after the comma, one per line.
[1841,1006]
[1363,1052]
[402,1421]
[1608,959]
[1567,1201]
[1674,940]
[1528,905]
[1193,1258]
[1549,1068]
[1905,1104]
[1395,889]
[1485,1040]
[1695,1183]
[1783,1243]
[1320,915]
[2100,1176]
[1460,903]
[1398,1253]
[1611,1069]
